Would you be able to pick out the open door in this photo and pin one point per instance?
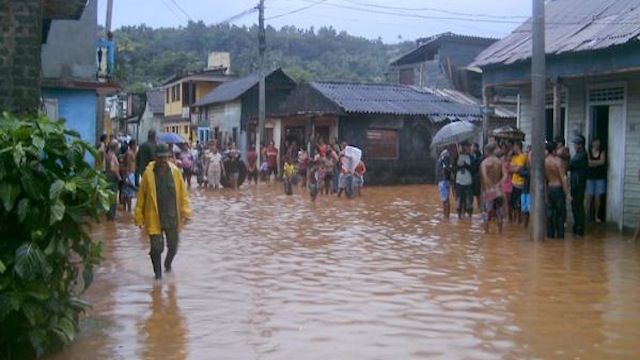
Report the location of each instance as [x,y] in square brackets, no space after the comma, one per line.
[616,162]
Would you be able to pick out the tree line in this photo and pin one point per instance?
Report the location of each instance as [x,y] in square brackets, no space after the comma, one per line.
[147,55]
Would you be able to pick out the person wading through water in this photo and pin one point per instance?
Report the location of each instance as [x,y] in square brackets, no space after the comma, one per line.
[163,207]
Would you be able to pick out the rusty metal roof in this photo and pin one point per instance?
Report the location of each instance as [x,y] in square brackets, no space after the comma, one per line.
[571,26]
[392,99]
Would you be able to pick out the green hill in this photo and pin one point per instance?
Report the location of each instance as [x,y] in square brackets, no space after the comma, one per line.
[147,55]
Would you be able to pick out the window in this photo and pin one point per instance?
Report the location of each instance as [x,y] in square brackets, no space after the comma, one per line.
[167,95]
[178,92]
[606,94]
[382,144]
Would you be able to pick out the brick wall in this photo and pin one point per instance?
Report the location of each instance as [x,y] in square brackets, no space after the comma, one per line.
[20,42]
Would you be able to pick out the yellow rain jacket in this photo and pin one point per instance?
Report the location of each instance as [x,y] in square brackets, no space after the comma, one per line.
[147,214]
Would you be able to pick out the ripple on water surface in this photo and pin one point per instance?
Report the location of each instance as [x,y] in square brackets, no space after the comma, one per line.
[261,275]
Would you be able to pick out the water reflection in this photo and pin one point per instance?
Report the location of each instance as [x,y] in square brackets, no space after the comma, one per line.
[164,331]
[262,275]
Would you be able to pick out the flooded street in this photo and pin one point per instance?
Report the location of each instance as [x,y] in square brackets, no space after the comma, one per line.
[262,275]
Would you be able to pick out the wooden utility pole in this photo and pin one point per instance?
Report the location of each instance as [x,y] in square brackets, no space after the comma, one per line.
[109,16]
[486,94]
[262,46]
[557,109]
[538,91]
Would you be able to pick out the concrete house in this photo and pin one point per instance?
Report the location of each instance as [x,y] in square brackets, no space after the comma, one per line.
[231,110]
[392,124]
[151,117]
[69,86]
[593,74]
[183,91]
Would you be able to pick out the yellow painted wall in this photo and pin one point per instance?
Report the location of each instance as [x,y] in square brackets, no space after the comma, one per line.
[173,107]
[203,89]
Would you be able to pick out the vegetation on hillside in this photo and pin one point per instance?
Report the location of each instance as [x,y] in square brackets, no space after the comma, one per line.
[147,55]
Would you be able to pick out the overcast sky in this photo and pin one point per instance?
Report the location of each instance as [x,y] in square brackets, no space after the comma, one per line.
[392,20]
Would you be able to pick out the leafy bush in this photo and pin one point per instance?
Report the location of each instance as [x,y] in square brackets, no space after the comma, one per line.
[49,195]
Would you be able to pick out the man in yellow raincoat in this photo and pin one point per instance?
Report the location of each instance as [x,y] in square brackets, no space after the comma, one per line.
[163,207]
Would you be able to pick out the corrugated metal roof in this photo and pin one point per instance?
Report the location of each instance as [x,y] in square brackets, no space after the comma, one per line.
[463,98]
[430,44]
[571,26]
[232,90]
[394,99]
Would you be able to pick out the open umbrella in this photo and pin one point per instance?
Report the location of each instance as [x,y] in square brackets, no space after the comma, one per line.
[170,138]
[509,133]
[454,133]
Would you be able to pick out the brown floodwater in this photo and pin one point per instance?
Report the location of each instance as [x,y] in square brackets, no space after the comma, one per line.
[262,275]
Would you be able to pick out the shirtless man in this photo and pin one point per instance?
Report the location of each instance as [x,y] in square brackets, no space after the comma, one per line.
[492,196]
[557,191]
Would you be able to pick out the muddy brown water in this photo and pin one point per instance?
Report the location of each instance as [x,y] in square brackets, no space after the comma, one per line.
[262,275]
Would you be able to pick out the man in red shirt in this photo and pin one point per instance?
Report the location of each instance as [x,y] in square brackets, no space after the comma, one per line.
[272,160]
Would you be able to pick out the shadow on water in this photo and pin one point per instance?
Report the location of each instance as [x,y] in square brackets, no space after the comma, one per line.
[262,275]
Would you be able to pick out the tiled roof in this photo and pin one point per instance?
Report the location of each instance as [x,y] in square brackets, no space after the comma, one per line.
[155,99]
[394,99]
[232,90]
[571,26]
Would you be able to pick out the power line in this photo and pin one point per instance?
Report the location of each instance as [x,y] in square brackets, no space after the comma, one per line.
[468,19]
[239,15]
[297,10]
[171,10]
[182,10]
[443,11]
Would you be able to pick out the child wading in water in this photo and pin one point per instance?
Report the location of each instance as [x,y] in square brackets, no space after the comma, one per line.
[288,172]
[312,179]
[358,178]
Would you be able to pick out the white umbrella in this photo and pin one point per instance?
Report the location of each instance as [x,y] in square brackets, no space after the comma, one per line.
[454,133]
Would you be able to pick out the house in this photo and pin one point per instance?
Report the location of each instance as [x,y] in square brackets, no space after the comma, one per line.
[392,124]
[440,62]
[182,91]
[150,117]
[25,26]
[231,110]
[593,76]
[68,65]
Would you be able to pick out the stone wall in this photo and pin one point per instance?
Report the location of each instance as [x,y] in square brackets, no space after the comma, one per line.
[20,41]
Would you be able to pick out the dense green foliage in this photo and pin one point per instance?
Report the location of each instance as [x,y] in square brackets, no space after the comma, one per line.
[147,55]
[49,195]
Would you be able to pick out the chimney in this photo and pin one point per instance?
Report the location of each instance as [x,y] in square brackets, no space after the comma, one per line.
[219,60]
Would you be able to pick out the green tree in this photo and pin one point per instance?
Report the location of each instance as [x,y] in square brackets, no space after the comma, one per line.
[49,195]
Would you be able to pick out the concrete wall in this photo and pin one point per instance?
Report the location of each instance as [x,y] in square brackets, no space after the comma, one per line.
[225,117]
[577,123]
[70,51]
[20,41]
[78,108]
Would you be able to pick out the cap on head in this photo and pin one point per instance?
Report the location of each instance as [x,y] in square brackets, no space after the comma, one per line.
[163,150]
[580,140]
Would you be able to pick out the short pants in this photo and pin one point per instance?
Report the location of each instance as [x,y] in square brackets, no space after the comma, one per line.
[525,203]
[493,207]
[443,189]
[596,187]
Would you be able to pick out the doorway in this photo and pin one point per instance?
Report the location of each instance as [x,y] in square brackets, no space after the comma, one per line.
[607,123]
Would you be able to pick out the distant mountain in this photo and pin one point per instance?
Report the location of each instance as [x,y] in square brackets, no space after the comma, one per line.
[147,55]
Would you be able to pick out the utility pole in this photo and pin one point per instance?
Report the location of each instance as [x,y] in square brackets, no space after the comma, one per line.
[109,16]
[538,91]
[262,46]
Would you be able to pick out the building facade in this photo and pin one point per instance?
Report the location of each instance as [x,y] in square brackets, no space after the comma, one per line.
[593,87]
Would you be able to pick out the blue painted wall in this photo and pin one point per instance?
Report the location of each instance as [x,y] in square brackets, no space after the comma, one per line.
[78,108]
